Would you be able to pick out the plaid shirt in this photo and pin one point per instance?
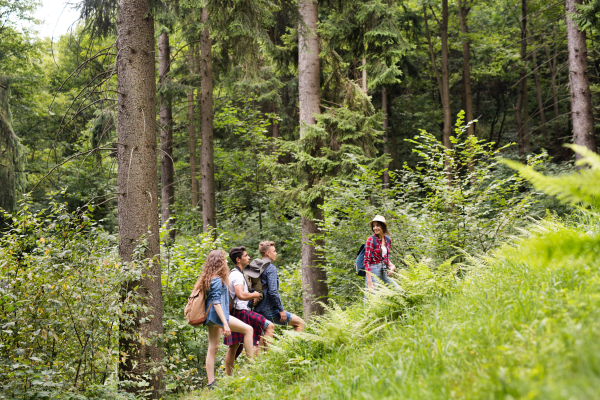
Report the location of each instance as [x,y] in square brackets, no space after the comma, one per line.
[373,252]
[255,320]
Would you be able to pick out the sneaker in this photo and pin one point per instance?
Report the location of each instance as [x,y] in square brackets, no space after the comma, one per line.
[212,385]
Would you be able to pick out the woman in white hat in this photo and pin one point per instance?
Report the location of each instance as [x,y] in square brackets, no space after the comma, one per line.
[377,252]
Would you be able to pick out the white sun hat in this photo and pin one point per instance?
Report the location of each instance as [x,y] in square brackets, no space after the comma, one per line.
[378,218]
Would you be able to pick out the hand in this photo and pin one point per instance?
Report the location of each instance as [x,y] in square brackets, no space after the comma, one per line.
[282,316]
[392,269]
[256,295]
[371,287]
[226,330]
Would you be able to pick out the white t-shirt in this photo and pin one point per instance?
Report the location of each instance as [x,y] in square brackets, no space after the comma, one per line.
[237,278]
[384,249]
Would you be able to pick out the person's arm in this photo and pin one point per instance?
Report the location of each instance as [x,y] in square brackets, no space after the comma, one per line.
[219,310]
[240,294]
[368,254]
[272,290]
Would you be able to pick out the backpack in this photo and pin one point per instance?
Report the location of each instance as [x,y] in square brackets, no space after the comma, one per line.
[360,259]
[255,285]
[196,311]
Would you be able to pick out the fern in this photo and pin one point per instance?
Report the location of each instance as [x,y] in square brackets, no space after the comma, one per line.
[579,188]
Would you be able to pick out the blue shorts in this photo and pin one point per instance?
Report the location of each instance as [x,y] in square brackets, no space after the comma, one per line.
[276,318]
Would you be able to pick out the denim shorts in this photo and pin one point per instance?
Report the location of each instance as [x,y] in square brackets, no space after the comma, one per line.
[276,318]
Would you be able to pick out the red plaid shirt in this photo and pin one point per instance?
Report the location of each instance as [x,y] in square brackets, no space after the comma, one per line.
[373,252]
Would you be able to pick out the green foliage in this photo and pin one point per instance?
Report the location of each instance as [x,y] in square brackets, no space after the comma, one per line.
[61,300]
[435,212]
[521,324]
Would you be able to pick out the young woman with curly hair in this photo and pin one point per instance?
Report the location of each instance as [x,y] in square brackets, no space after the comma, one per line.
[214,282]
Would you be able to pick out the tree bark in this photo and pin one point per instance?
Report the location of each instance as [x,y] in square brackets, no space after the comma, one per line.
[386,147]
[209,214]
[522,80]
[538,89]
[445,76]
[314,278]
[138,190]
[192,132]
[167,169]
[582,110]
[464,29]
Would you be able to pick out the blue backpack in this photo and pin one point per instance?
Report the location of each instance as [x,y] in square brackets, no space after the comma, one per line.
[360,259]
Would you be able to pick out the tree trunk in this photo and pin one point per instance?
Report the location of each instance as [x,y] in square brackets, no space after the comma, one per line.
[538,90]
[432,53]
[208,165]
[445,76]
[364,75]
[553,72]
[314,278]
[582,110]
[275,123]
[464,11]
[192,132]
[386,147]
[138,190]
[167,169]
[526,120]
[522,80]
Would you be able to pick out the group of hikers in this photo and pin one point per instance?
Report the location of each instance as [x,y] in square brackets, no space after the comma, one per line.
[244,303]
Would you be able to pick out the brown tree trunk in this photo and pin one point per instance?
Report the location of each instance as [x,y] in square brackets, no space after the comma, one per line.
[538,90]
[275,124]
[445,76]
[553,72]
[364,75]
[209,213]
[192,132]
[314,278]
[464,29]
[582,110]
[522,80]
[386,147]
[138,191]
[167,169]
[432,53]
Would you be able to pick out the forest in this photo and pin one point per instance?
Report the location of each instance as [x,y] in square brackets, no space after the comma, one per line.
[156,131]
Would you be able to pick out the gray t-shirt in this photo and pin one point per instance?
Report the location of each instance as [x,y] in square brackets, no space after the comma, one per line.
[237,278]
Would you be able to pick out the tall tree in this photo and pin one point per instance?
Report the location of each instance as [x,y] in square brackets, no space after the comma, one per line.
[138,190]
[209,214]
[192,129]
[582,110]
[167,169]
[522,97]
[464,6]
[538,91]
[314,278]
[445,90]
[552,59]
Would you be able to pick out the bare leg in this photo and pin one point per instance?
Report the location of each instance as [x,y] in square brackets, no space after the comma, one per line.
[230,358]
[238,326]
[214,334]
[297,323]
[269,330]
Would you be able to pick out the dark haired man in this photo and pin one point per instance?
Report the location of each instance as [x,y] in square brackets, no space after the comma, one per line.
[238,290]
[271,306]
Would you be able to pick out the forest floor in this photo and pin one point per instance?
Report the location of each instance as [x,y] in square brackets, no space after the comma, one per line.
[524,323]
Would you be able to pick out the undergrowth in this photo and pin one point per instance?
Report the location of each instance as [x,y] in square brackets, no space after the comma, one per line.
[522,323]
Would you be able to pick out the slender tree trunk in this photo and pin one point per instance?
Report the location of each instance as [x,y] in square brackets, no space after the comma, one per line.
[167,169]
[432,53]
[464,29]
[138,191]
[208,165]
[445,76]
[364,75]
[275,124]
[538,89]
[582,110]
[314,278]
[522,80]
[553,72]
[192,132]
[526,120]
[386,147]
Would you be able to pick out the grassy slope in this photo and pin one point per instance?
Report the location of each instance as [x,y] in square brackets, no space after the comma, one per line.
[525,325]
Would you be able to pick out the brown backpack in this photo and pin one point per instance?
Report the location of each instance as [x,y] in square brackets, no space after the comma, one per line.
[196,311]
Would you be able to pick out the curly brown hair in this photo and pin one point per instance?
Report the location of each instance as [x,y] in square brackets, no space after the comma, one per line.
[214,266]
